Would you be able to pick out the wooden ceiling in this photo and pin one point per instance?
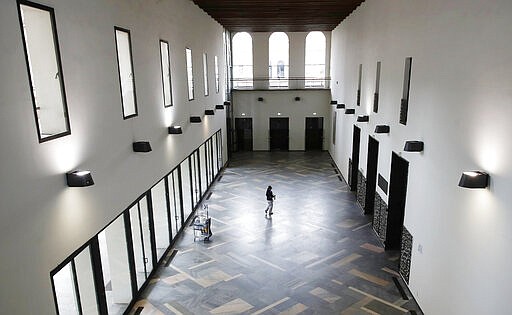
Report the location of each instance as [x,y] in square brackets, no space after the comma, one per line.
[278,15]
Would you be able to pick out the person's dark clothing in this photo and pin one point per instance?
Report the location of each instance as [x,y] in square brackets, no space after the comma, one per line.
[270,195]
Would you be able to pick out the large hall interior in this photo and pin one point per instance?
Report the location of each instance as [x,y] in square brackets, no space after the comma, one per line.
[381,126]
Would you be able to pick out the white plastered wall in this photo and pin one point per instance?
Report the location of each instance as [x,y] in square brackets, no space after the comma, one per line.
[42,221]
[459,105]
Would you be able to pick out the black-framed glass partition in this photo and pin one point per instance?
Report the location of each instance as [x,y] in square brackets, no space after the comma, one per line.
[107,273]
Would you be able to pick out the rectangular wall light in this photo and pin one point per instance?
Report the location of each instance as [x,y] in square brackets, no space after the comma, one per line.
[334,102]
[350,111]
[141,146]
[174,130]
[382,129]
[209,112]
[79,178]
[474,179]
[195,119]
[219,106]
[413,146]
[363,118]
[340,106]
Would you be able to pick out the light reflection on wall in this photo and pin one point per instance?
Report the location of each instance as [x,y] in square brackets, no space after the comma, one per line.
[64,156]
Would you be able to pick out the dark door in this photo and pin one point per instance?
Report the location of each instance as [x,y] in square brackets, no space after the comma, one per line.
[371,175]
[243,127]
[314,133]
[397,196]
[279,134]
[355,158]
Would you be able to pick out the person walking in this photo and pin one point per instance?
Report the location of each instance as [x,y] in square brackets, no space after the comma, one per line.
[270,199]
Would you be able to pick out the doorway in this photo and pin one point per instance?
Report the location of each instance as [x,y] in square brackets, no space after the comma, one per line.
[371,175]
[356,138]
[314,133]
[279,134]
[397,197]
[243,127]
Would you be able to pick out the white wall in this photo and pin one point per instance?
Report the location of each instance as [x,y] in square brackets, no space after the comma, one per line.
[42,221]
[311,101]
[460,107]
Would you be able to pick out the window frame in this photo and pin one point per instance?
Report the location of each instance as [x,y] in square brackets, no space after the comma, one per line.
[53,22]
[127,31]
[190,89]
[217,77]
[162,41]
[205,75]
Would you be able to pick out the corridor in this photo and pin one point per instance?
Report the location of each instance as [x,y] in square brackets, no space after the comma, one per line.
[317,255]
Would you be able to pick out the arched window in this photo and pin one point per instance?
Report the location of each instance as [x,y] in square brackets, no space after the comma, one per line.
[315,60]
[242,60]
[278,63]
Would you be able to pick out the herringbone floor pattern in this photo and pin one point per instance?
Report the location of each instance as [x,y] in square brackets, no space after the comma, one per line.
[317,255]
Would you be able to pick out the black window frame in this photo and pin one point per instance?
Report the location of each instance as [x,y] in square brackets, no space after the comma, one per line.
[162,70]
[121,29]
[190,89]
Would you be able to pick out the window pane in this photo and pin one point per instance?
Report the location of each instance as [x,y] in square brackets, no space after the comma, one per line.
[315,60]
[190,74]
[65,291]
[203,169]
[126,75]
[45,71]
[114,262]
[159,200]
[278,51]
[174,201]
[205,74]
[166,72]
[177,199]
[215,156]
[242,60]
[217,78]
[86,286]
[187,188]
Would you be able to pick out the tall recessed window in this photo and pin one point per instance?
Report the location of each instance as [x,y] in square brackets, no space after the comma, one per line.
[39,33]
[190,74]
[314,68]
[165,63]
[205,74]
[278,53]
[217,78]
[242,60]
[126,74]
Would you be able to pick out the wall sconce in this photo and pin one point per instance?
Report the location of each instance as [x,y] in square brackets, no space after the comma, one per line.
[260,99]
[195,119]
[243,114]
[209,112]
[175,130]
[219,106]
[297,98]
[79,178]
[413,146]
[278,114]
[314,114]
[382,129]
[334,102]
[340,106]
[474,179]
[363,118]
[141,146]
[350,111]
[227,103]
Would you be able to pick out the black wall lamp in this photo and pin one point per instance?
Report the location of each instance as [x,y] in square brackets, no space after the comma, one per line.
[227,103]
[297,98]
[195,119]
[260,99]
[209,112]
[175,130]
[334,102]
[340,106]
[219,106]
[79,178]
[474,179]
[382,129]
[350,111]
[363,118]
[413,146]
[141,146]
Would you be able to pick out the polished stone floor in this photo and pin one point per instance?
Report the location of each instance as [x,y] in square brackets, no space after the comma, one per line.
[316,255]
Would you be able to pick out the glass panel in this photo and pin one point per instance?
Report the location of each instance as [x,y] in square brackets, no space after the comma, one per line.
[114,263]
[194,184]
[215,156]
[186,188]
[85,278]
[278,51]
[242,61]
[217,78]
[65,291]
[146,235]
[190,74]
[205,74]
[315,60]
[45,71]
[174,203]
[177,199]
[203,170]
[159,200]
[126,75]
[166,72]
[219,149]
[197,178]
